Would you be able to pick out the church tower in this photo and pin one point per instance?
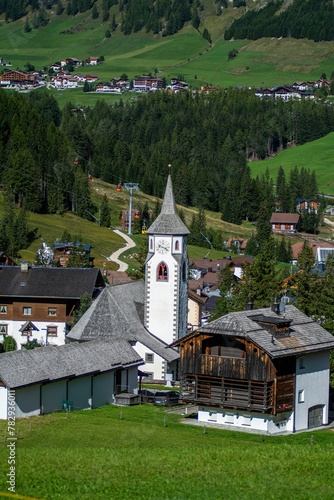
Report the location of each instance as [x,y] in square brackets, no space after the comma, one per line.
[166,273]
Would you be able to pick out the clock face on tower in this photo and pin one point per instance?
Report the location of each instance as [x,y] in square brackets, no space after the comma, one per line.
[162,246]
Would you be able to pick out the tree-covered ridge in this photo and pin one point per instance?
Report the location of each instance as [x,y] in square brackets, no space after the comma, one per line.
[47,154]
[37,160]
[312,19]
[165,16]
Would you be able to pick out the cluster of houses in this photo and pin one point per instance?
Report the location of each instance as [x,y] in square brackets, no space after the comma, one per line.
[263,370]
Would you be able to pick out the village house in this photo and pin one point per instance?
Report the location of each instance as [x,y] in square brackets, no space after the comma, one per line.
[69,377]
[91,61]
[16,77]
[319,248]
[147,83]
[70,60]
[258,370]
[39,302]
[282,222]
[309,205]
[203,285]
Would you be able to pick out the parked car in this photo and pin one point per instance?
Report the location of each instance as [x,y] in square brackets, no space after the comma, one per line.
[166,398]
[146,395]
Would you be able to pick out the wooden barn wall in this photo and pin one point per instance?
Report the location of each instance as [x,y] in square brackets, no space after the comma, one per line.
[256,365]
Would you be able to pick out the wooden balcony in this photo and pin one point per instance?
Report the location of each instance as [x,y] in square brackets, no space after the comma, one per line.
[228,393]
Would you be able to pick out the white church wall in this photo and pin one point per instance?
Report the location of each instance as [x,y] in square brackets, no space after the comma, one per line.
[154,367]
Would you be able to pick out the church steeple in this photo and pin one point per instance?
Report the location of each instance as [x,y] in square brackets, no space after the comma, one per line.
[168,221]
[166,275]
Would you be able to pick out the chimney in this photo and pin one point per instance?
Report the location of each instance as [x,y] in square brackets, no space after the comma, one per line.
[24,267]
[249,305]
[198,291]
[275,307]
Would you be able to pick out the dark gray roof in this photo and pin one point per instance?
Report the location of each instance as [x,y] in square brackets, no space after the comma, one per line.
[168,221]
[52,282]
[118,313]
[305,334]
[20,368]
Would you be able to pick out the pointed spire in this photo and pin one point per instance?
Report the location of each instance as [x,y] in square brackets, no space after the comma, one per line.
[168,204]
[168,221]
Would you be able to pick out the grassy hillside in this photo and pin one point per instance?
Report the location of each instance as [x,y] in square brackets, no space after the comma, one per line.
[262,62]
[49,228]
[143,453]
[316,155]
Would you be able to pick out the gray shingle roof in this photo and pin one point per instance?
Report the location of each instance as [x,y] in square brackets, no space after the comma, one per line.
[168,221]
[20,368]
[305,334]
[49,282]
[119,313]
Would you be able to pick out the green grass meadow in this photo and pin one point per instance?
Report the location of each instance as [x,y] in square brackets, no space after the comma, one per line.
[145,453]
[317,155]
[263,62]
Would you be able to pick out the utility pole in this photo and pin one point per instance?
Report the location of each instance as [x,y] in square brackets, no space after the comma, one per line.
[130,186]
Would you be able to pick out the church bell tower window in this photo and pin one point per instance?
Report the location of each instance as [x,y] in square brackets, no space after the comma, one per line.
[162,272]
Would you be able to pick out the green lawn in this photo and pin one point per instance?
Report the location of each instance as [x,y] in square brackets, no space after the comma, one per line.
[316,155]
[144,453]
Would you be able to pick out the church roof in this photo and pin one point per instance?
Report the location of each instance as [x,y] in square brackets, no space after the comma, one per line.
[168,221]
[119,313]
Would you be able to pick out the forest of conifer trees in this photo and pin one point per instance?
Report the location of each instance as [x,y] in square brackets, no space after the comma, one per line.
[208,139]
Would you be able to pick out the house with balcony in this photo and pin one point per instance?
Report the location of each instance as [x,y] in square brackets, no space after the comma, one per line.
[39,302]
[258,370]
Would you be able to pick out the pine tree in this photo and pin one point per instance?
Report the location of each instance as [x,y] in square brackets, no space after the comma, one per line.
[104,213]
[260,281]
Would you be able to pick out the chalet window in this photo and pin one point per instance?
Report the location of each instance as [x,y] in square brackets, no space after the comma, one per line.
[52,331]
[52,311]
[162,272]
[301,396]
[149,358]
[3,309]
[3,329]
[27,311]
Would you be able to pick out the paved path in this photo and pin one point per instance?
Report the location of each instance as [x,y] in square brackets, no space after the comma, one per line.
[114,256]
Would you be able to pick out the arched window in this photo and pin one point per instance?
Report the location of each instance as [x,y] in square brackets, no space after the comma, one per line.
[177,245]
[151,243]
[162,272]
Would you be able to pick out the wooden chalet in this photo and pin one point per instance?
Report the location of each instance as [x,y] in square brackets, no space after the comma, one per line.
[258,369]
[281,222]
